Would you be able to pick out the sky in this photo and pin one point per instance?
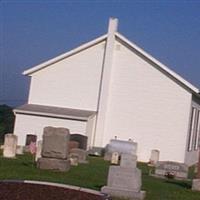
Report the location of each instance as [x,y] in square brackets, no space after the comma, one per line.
[33,31]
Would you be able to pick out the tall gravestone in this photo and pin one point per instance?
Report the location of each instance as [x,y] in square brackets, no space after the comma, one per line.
[10,145]
[125,181]
[55,152]
[154,158]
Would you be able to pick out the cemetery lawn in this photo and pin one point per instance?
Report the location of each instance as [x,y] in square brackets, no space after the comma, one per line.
[94,176]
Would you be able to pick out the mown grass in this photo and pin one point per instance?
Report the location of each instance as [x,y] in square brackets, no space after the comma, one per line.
[94,176]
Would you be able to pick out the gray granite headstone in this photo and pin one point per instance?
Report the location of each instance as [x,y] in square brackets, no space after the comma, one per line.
[53,164]
[169,168]
[55,150]
[79,153]
[55,143]
[124,182]
[196,184]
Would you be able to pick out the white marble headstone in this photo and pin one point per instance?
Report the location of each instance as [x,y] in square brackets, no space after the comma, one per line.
[115,158]
[10,145]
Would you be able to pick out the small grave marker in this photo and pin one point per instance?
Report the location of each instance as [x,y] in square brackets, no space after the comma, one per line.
[10,145]
[115,158]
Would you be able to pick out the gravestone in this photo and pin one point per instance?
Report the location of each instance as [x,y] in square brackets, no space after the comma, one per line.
[10,145]
[115,158]
[20,150]
[124,182]
[54,164]
[73,144]
[128,160]
[196,181]
[81,139]
[171,169]
[154,158]
[55,143]
[30,138]
[38,150]
[196,184]
[55,149]
[80,154]
[120,146]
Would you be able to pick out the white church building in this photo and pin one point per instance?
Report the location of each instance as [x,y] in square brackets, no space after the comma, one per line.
[110,88]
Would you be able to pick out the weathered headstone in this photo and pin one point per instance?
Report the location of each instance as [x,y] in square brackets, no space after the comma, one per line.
[120,146]
[55,143]
[124,182]
[10,145]
[80,154]
[55,149]
[20,150]
[154,158]
[30,138]
[171,169]
[54,164]
[38,150]
[128,160]
[115,158]
[73,144]
[196,184]
[81,139]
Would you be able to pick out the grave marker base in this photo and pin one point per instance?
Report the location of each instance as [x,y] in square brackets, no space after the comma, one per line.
[123,193]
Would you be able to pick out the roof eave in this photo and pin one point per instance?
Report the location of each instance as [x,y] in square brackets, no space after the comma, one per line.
[162,66]
[17,111]
[30,71]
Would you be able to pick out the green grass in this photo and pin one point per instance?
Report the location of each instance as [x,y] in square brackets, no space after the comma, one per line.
[91,175]
[94,175]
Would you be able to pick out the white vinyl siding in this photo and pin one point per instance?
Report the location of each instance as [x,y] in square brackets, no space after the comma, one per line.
[71,83]
[147,106]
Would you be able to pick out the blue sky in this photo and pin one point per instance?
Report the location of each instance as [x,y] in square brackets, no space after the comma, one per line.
[33,31]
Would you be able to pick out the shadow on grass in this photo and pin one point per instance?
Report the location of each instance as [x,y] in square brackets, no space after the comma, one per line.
[180,184]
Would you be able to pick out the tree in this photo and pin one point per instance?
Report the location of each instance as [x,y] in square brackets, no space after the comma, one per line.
[6,121]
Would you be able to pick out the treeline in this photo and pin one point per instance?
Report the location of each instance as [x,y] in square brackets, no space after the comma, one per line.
[6,121]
